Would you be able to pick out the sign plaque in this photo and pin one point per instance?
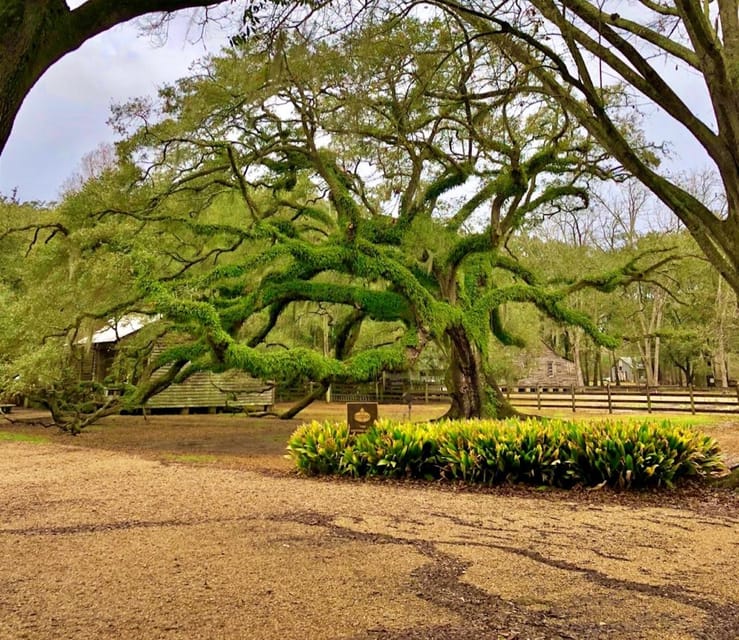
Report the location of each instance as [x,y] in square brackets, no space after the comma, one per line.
[361,415]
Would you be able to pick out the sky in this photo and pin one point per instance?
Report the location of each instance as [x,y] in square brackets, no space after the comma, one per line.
[64,116]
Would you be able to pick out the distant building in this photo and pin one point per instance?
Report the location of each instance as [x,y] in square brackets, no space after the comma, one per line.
[547,369]
[100,349]
[627,369]
[201,390]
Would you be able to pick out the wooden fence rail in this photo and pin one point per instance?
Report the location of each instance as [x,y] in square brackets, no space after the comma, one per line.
[616,399]
[607,399]
[418,392]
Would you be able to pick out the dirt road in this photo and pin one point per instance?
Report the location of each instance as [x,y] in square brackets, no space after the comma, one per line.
[122,544]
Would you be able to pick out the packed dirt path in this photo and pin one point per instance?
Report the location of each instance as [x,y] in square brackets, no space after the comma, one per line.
[117,544]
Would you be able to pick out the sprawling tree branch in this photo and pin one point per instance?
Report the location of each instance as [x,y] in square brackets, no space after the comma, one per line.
[703,36]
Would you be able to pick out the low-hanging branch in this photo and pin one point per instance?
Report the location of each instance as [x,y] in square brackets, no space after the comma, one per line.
[549,302]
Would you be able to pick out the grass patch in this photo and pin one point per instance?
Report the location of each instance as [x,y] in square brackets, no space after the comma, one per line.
[191,458]
[622,454]
[8,436]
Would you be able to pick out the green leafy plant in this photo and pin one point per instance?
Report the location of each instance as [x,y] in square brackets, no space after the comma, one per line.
[319,447]
[621,454]
[393,450]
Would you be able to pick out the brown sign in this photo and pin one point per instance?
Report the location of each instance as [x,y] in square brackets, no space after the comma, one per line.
[361,415]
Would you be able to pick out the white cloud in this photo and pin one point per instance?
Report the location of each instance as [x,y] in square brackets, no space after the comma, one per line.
[64,115]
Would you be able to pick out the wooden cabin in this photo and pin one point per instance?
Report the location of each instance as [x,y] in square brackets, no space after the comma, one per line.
[214,392]
[547,369]
[203,390]
[627,370]
[94,355]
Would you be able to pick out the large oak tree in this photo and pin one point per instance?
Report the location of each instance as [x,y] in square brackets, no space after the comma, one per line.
[377,181]
[378,175]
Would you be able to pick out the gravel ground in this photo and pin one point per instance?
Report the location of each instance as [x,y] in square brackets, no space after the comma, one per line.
[103,543]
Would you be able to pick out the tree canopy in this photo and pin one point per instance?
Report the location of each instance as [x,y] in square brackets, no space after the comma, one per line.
[577,47]
[380,174]
[573,48]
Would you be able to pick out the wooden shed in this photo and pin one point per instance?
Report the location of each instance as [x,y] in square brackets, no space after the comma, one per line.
[95,355]
[203,390]
[214,391]
[546,368]
[627,370]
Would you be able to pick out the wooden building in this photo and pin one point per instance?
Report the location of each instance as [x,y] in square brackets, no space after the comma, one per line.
[203,390]
[216,391]
[627,370]
[545,368]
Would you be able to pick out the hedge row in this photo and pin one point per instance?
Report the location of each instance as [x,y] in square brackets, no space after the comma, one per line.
[560,453]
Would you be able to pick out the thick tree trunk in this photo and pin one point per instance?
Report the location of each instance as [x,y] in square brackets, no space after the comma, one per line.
[584,365]
[722,367]
[723,303]
[687,371]
[597,372]
[645,350]
[474,393]
[614,369]
[580,379]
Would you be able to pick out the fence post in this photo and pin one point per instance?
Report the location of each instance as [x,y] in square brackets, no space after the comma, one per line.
[649,401]
[572,393]
[692,401]
[610,404]
[538,397]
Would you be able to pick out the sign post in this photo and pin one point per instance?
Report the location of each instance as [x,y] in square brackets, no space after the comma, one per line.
[361,415]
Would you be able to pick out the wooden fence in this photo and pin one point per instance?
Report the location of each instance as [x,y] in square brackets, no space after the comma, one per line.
[605,399]
[391,392]
[616,399]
